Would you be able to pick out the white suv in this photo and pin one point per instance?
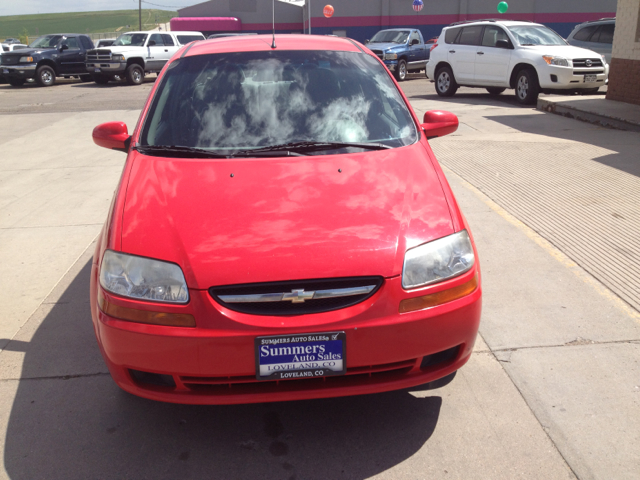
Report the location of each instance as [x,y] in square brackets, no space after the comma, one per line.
[497,55]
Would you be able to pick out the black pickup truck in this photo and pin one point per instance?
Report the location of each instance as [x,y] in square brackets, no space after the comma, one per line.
[60,54]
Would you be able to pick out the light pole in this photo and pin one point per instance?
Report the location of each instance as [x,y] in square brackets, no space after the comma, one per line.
[139,14]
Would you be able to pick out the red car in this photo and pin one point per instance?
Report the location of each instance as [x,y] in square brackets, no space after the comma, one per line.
[281,231]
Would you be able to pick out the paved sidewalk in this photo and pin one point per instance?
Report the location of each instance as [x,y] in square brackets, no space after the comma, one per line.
[594,109]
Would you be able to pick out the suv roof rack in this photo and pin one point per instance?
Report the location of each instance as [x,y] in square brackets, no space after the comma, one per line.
[462,22]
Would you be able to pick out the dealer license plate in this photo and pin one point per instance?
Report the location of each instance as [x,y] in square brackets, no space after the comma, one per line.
[97,70]
[590,78]
[304,355]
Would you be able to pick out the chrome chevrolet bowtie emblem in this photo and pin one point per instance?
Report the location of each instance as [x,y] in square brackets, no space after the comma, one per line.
[589,63]
[298,296]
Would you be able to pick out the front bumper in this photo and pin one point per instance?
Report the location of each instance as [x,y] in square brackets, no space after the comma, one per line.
[391,65]
[214,363]
[108,68]
[27,70]
[553,77]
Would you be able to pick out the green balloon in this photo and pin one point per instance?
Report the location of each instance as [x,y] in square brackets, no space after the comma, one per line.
[503,7]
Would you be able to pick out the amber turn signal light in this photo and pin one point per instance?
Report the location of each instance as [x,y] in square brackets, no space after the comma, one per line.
[144,316]
[445,296]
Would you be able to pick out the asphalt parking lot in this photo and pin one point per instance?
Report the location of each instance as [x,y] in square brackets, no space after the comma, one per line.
[551,391]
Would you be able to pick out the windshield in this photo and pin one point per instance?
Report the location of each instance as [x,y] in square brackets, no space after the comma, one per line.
[131,39]
[238,101]
[536,35]
[46,41]
[390,36]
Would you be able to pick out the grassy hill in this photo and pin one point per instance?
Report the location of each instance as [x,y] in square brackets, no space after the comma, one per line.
[80,22]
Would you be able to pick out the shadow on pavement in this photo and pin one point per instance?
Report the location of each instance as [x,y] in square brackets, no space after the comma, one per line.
[69,420]
[625,144]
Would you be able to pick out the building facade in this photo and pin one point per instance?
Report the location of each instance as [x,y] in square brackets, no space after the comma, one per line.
[624,76]
[361,19]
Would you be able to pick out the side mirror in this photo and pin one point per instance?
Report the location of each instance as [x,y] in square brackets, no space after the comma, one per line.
[112,135]
[63,47]
[151,43]
[503,44]
[366,41]
[415,41]
[438,123]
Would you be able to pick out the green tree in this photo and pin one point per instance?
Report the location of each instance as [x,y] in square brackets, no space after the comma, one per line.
[24,36]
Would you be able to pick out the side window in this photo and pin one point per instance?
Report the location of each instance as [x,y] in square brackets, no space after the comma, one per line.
[72,42]
[492,35]
[157,38]
[86,43]
[451,35]
[584,34]
[604,34]
[414,36]
[470,35]
[168,40]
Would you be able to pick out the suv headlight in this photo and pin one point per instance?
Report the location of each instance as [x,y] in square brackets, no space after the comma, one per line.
[390,56]
[439,260]
[117,58]
[558,61]
[143,278]
[26,60]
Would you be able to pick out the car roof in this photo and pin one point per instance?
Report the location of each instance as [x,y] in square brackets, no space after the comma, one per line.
[489,21]
[599,21]
[257,43]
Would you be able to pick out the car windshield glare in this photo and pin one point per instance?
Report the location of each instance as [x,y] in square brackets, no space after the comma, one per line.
[237,101]
[130,39]
[390,36]
[536,35]
[46,41]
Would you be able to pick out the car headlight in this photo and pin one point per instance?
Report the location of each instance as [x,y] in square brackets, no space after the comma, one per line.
[143,278]
[558,61]
[26,60]
[390,56]
[439,260]
[117,58]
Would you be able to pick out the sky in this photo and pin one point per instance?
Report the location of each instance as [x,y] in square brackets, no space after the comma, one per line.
[25,7]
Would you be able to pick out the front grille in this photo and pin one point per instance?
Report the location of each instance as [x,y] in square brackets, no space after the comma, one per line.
[9,59]
[582,62]
[283,308]
[379,53]
[588,72]
[214,384]
[99,55]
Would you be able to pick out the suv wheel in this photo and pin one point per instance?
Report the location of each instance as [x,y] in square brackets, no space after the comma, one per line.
[401,70]
[45,76]
[446,85]
[495,90]
[527,86]
[16,82]
[135,74]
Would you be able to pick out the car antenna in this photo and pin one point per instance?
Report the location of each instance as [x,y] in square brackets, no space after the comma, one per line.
[273,23]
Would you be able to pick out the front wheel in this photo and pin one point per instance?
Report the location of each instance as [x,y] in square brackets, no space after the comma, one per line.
[16,82]
[45,76]
[401,70]
[495,90]
[527,87]
[589,91]
[135,74]
[446,85]
[101,79]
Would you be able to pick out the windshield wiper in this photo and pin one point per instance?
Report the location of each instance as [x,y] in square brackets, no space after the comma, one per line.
[177,151]
[307,146]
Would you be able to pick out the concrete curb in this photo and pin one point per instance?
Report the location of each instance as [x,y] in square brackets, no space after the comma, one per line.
[599,118]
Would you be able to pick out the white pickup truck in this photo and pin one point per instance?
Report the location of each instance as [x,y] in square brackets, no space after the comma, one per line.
[135,54]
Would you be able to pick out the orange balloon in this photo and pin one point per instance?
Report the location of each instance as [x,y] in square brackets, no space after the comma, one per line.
[328,11]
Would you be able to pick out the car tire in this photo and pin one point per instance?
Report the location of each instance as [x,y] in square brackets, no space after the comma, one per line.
[589,91]
[86,78]
[495,90]
[101,79]
[527,86]
[16,82]
[401,70]
[446,85]
[135,74]
[45,76]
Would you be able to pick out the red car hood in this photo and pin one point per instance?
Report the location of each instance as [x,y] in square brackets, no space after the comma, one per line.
[261,220]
